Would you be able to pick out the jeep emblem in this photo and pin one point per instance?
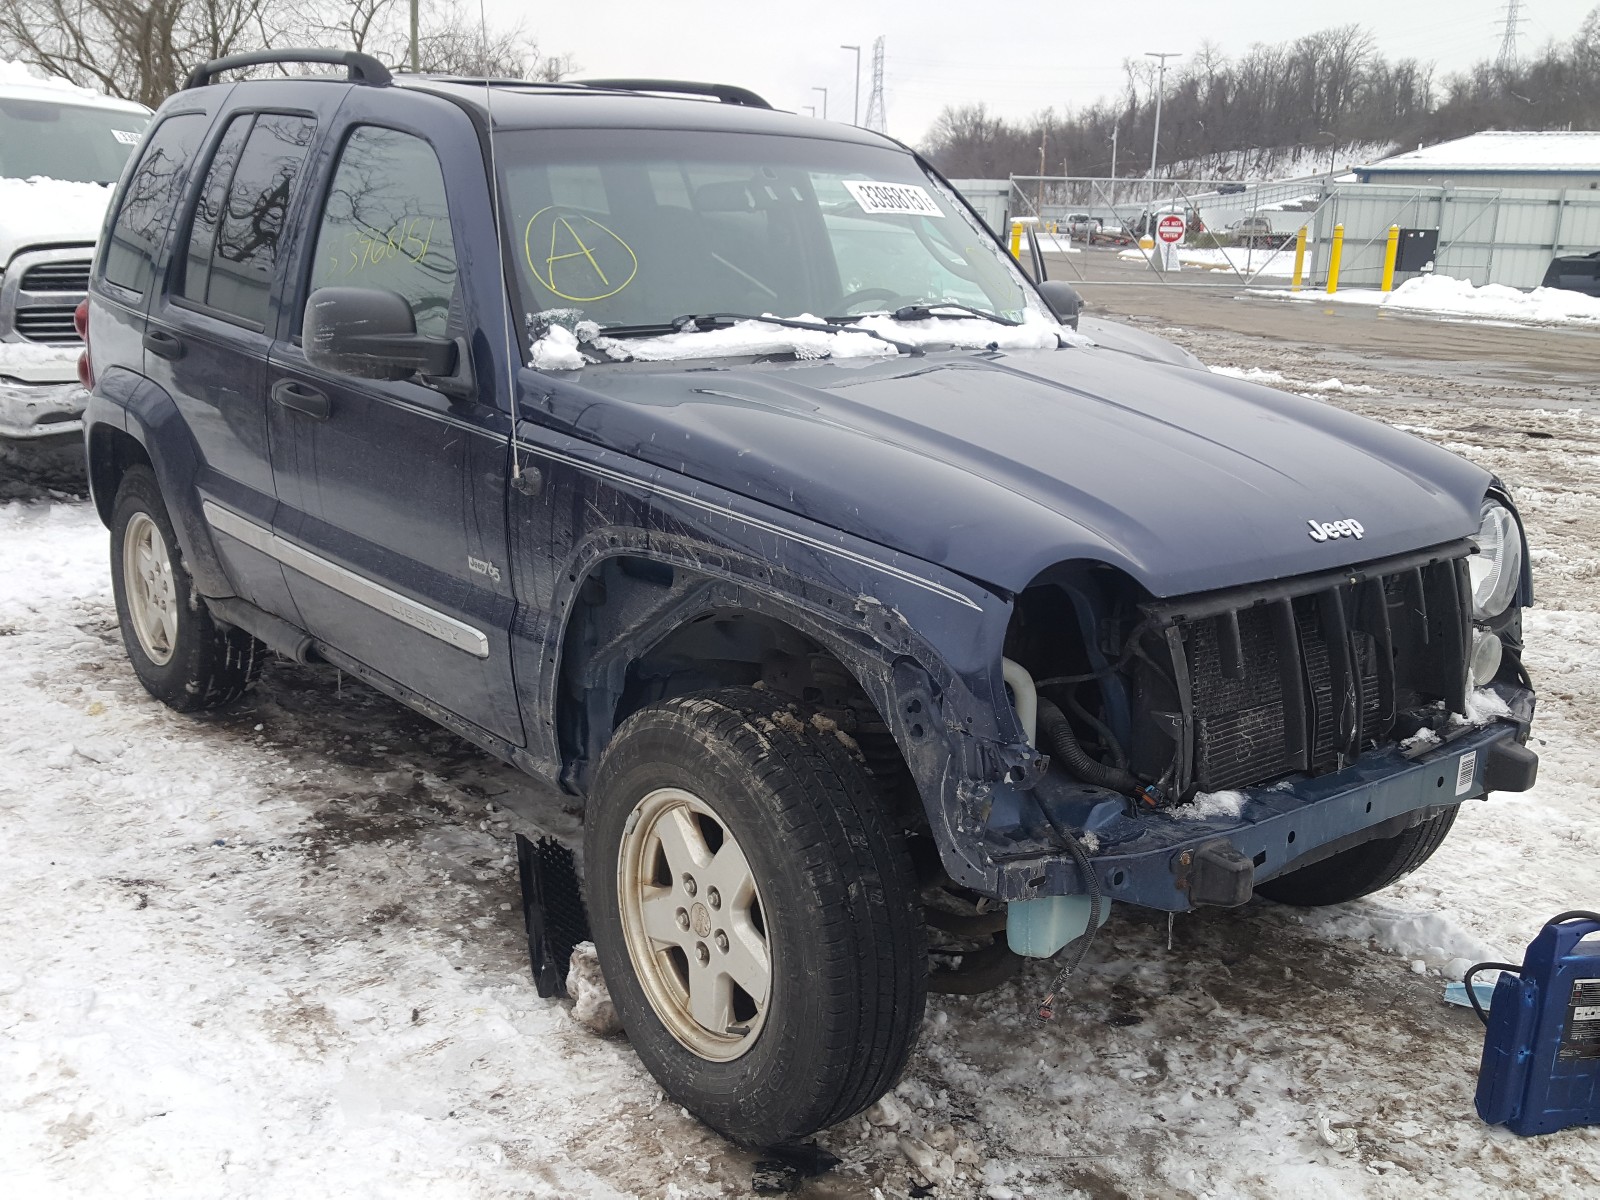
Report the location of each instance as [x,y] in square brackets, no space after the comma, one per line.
[1322,531]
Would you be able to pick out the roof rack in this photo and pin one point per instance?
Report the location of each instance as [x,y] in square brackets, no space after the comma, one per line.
[362,68]
[726,92]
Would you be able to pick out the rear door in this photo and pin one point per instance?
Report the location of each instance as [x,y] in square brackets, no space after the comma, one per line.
[393,495]
[209,328]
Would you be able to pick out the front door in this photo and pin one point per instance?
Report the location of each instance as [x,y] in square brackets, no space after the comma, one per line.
[392,501]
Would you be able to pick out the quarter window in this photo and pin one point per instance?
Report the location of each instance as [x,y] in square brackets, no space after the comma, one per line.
[387,225]
[250,222]
[154,191]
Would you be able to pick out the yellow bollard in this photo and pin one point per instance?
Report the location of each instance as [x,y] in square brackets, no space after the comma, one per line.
[1390,253]
[1299,259]
[1016,238]
[1334,251]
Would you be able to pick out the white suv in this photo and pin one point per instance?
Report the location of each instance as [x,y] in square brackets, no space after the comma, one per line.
[61,151]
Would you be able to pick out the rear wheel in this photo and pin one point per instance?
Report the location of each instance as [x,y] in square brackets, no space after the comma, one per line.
[756,918]
[1362,869]
[184,657]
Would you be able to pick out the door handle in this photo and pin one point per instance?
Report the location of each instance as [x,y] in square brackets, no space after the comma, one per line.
[163,344]
[292,394]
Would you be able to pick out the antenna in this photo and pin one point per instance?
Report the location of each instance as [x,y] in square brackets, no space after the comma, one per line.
[513,356]
[1507,60]
[877,119]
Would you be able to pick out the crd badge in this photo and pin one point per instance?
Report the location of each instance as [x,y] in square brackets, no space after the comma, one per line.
[1322,531]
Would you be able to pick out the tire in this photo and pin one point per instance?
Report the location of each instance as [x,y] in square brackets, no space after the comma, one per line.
[182,655]
[1363,869]
[834,905]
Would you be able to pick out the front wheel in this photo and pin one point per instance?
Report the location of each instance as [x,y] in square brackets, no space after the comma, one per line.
[1362,869]
[184,657]
[756,918]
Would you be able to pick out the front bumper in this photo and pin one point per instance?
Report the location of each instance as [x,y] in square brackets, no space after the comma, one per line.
[1170,861]
[32,412]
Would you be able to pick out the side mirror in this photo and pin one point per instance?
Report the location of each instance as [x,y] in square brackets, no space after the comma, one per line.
[1063,300]
[372,334]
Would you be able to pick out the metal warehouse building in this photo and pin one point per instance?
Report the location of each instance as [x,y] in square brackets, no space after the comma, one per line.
[1547,160]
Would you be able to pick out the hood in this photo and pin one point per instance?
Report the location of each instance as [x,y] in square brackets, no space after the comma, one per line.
[49,212]
[999,465]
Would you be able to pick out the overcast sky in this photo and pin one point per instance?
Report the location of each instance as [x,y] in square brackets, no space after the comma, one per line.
[942,52]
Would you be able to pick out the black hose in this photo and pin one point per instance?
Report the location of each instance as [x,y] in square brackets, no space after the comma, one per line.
[1472,996]
[1081,946]
[1100,727]
[1064,746]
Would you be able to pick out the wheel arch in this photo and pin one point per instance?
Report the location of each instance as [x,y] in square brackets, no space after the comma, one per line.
[131,421]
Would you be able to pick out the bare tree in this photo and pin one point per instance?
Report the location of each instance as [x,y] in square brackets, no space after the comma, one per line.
[144,49]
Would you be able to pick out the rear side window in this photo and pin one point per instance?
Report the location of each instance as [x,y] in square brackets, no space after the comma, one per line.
[154,191]
[247,228]
[387,225]
[208,210]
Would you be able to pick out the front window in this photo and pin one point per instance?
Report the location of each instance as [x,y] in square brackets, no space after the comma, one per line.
[73,142]
[636,228]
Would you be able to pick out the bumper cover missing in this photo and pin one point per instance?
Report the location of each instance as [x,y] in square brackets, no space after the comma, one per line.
[1173,862]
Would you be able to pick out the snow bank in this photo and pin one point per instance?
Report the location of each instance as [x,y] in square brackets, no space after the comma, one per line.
[1278,379]
[1243,259]
[1445,296]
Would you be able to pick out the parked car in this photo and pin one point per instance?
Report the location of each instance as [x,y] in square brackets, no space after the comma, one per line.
[1082,227]
[919,617]
[1575,273]
[61,150]
[1230,189]
[1254,231]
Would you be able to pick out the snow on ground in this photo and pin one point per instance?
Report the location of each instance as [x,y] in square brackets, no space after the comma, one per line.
[1442,295]
[1247,261]
[277,951]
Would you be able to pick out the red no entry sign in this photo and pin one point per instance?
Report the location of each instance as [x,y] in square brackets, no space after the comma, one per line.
[1170,228]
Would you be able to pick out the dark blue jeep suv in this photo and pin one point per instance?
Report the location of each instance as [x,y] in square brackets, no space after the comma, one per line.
[719,467]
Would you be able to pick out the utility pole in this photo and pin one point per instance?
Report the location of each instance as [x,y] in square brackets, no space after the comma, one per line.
[415,57]
[1507,60]
[1114,132]
[1161,86]
[877,118]
[1038,207]
[855,113]
[824,92]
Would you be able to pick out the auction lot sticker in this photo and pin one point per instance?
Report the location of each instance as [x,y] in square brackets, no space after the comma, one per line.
[906,198]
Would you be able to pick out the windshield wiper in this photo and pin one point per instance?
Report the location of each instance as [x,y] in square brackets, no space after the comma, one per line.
[948,310]
[705,322]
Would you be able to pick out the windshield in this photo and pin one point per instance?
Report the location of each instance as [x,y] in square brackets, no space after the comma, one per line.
[73,142]
[630,228]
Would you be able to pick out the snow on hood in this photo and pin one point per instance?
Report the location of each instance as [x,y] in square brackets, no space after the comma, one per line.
[558,349]
[45,212]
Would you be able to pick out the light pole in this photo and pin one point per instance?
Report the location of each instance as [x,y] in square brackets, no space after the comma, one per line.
[414,67]
[824,92]
[855,114]
[1161,83]
[810,108]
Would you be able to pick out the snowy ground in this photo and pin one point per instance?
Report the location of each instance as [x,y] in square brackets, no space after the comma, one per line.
[275,952]
[1440,295]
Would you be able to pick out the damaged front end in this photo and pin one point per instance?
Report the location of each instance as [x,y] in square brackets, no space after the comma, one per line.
[1200,746]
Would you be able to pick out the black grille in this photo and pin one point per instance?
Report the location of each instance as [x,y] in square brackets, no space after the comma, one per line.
[57,277]
[47,323]
[1293,678]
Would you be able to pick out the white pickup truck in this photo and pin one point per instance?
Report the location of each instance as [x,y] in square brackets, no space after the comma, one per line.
[61,151]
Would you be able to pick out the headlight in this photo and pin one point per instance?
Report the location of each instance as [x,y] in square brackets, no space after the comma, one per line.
[1496,568]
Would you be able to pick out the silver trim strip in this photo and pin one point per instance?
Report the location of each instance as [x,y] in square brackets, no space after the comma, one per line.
[358,587]
[937,589]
